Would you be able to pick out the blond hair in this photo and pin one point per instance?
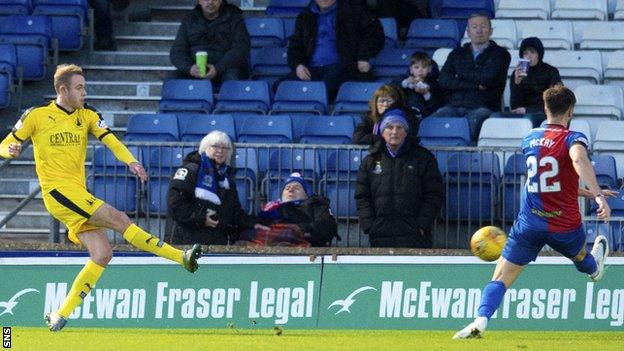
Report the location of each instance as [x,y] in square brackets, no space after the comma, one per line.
[216,138]
[64,74]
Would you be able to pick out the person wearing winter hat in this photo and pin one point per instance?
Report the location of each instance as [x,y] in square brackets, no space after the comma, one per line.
[399,190]
[528,82]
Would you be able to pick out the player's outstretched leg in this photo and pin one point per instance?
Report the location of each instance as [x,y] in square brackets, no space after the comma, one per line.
[472,330]
[600,251]
[190,258]
[55,321]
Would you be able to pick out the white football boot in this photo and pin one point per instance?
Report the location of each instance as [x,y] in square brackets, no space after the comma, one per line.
[55,321]
[472,330]
[600,251]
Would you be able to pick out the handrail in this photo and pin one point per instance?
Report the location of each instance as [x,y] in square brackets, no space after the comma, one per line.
[20,206]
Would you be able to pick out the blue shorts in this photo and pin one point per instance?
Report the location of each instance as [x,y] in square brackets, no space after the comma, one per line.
[523,245]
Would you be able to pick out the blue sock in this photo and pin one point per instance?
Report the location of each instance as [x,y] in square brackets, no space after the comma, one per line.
[587,265]
[491,298]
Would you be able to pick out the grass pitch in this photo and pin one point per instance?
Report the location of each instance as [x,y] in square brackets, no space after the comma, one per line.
[84,339]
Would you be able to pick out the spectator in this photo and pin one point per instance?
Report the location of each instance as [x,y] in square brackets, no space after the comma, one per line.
[399,189]
[202,200]
[421,90]
[218,28]
[103,25]
[384,99]
[474,76]
[527,87]
[403,11]
[297,219]
[334,41]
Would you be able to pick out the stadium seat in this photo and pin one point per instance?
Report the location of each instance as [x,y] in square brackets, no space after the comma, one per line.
[526,9]
[327,130]
[285,8]
[619,10]
[189,95]
[198,125]
[390,31]
[576,67]
[444,131]
[473,180]
[244,96]
[553,34]
[504,132]
[32,37]
[246,177]
[614,70]
[609,141]
[289,28]
[463,9]
[512,184]
[602,36]
[338,184]
[15,7]
[269,64]
[614,231]
[432,34]
[163,161]
[152,127]
[266,129]
[503,33]
[69,20]
[353,97]
[440,55]
[284,161]
[111,180]
[303,97]
[391,63]
[603,101]
[265,31]
[579,10]
[606,172]
[8,72]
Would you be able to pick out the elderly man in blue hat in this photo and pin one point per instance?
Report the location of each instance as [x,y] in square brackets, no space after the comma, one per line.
[399,190]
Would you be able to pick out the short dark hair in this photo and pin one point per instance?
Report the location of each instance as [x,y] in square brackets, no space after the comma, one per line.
[480,14]
[558,99]
[420,57]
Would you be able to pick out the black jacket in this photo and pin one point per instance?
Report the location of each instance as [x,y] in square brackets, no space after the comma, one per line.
[313,216]
[416,102]
[399,198]
[363,133]
[187,214]
[225,38]
[528,93]
[359,36]
[461,76]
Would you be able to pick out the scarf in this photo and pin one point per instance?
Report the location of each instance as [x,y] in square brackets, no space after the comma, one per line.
[210,179]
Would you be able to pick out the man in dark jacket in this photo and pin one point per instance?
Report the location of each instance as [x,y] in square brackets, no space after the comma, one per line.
[218,28]
[473,76]
[399,189]
[334,41]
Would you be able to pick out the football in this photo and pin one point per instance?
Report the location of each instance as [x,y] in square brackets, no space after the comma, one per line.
[487,243]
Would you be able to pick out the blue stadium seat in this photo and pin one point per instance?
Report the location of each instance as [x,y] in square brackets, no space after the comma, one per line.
[32,37]
[285,8]
[604,166]
[69,20]
[289,28]
[246,176]
[513,183]
[244,96]
[198,125]
[112,182]
[190,95]
[283,162]
[8,68]
[152,127]
[391,63]
[444,131]
[473,181]
[269,64]
[353,97]
[615,229]
[340,175]
[327,130]
[15,7]
[390,31]
[433,34]
[163,162]
[265,31]
[266,129]
[294,96]
[463,9]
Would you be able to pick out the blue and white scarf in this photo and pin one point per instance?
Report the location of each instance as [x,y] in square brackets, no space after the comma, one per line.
[210,179]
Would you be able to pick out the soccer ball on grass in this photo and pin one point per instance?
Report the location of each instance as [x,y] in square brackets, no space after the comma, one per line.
[487,243]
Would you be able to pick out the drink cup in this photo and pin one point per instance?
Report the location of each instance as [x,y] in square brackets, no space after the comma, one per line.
[201,59]
[524,66]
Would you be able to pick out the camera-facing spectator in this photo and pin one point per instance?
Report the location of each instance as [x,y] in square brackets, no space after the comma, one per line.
[333,42]
[473,76]
[216,30]
[421,90]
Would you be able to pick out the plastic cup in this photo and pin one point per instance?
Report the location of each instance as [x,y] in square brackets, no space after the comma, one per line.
[201,59]
[524,66]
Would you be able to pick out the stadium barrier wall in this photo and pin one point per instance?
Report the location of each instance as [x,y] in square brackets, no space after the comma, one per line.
[343,292]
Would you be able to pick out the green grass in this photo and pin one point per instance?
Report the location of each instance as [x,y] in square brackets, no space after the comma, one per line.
[247,340]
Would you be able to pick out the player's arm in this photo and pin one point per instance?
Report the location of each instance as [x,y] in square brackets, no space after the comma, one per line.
[124,155]
[11,146]
[585,170]
[584,192]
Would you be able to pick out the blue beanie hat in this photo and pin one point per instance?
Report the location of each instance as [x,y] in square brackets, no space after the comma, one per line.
[296,177]
[395,115]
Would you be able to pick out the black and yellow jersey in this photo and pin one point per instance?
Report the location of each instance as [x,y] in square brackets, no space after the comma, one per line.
[60,140]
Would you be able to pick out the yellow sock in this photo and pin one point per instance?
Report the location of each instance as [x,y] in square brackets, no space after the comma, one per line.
[147,242]
[84,282]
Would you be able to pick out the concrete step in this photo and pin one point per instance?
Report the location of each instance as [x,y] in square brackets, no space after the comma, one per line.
[19,170]
[117,119]
[121,88]
[129,72]
[128,58]
[120,102]
[28,219]
[9,202]
[17,187]
[144,43]
[148,28]
[170,13]
[25,234]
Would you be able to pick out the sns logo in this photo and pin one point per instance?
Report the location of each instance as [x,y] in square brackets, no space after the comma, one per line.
[349,300]
[10,305]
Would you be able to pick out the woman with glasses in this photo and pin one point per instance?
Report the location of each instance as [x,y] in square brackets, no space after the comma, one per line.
[384,97]
[202,200]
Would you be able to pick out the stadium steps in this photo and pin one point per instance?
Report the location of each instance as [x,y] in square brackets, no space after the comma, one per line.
[122,102]
[152,28]
[138,89]
[28,219]
[142,73]
[126,58]
[170,13]
[144,42]
[118,119]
